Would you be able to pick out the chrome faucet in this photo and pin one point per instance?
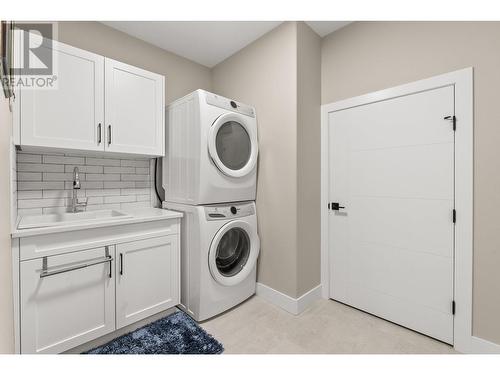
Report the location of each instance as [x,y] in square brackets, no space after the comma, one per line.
[75,202]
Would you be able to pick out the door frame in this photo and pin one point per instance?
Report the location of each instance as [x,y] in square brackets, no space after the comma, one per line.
[462,80]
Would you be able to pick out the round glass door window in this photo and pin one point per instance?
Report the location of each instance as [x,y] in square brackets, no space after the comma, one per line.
[232,252]
[233,145]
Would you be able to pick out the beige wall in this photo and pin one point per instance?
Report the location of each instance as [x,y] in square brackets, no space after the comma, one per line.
[368,56]
[264,75]
[181,75]
[6,304]
[308,158]
[280,75]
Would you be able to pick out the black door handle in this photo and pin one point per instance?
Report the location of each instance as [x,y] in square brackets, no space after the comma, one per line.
[335,206]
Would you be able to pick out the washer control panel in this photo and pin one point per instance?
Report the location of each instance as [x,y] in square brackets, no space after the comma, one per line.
[231,211]
[231,105]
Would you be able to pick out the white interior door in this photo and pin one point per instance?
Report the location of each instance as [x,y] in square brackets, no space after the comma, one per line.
[134,109]
[71,115]
[391,247]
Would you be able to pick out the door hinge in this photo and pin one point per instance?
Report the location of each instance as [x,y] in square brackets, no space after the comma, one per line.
[453,119]
[453,307]
[454,216]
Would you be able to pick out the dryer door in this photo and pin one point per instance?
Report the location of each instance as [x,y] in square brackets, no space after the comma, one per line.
[233,252]
[232,145]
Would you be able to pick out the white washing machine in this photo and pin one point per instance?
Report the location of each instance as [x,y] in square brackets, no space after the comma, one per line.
[219,250]
[211,150]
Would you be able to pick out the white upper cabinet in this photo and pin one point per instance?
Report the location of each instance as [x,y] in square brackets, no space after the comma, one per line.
[72,114]
[99,104]
[134,109]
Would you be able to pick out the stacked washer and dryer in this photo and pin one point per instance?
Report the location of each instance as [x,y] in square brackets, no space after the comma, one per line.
[209,174]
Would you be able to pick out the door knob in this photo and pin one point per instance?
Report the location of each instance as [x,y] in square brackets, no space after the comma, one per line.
[335,206]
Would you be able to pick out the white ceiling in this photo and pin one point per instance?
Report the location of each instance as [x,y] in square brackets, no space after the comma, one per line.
[323,28]
[207,42]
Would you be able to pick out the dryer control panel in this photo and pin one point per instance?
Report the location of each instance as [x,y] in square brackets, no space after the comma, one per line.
[231,105]
[232,211]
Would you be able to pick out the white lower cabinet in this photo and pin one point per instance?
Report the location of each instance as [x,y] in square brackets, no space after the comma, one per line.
[77,286]
[71,304]
[147,278]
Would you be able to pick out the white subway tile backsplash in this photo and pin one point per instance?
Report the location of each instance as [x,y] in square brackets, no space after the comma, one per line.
[135,191]
[103,177]
[135,177]
[29,176]
[44,182]
[32,167]
[108,162]
[135,163]
[42,185]
[119,184]
[53,159]
[143,198]
[28,158]
[30,194]
[84,168]
[40,203]
[142,170]
[101,192]
[48,176]
[120,199]
[143,184]
[119,170]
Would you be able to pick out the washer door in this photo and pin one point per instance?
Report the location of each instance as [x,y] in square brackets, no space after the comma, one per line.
[232,145]
[233,253]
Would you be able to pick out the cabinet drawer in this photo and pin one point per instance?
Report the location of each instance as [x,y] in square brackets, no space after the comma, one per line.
[66,242]
[70,303]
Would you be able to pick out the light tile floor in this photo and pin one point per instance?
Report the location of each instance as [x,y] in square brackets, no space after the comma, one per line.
[259,327]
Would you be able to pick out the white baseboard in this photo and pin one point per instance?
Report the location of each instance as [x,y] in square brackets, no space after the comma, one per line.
[292,305]
[482,346]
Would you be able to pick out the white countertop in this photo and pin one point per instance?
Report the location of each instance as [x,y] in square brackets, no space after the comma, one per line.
[140,215]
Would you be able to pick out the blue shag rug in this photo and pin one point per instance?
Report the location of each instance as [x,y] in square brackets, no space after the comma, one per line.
[175,334]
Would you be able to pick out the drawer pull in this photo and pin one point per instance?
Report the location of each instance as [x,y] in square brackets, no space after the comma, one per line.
[47,272]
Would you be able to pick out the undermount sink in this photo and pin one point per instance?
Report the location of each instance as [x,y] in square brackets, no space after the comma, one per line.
[58,219]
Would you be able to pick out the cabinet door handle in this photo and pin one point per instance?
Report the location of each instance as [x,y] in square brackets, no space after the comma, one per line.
[109,135]
[99,134]
[47,272]
[110,262]
[121,263]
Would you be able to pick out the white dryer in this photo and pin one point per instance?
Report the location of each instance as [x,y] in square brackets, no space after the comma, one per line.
[211,150]
[219,250]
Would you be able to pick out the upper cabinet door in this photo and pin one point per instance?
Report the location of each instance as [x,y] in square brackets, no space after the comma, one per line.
[70,116]
[134,110]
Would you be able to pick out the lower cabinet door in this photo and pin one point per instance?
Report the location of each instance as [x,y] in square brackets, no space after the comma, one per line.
[147,279]
[67,300]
